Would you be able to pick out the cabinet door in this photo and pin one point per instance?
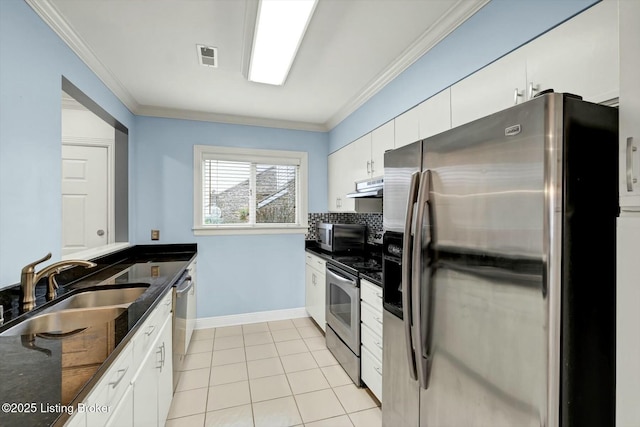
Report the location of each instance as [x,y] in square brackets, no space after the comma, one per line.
[359,159]
[310,294]
[407,128]
[342,177]
[498,86]
[165,373]
[434,114]
[629,104]
[628,320]
[579,56]
[382,139]
[333,187]
[122,415]
[320,299]
[145,392]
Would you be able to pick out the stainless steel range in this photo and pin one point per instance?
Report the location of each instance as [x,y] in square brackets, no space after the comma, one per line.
[343,309]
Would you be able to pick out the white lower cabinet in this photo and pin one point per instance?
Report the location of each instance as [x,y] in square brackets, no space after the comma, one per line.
[153,385]
[371,337]
[122,415]
[315,289]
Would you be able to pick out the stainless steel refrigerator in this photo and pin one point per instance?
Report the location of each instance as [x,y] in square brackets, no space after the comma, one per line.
[499,270]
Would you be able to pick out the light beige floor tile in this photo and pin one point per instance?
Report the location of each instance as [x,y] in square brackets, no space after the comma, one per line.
[301,322]
[257,338]
[265,367]
[227,331]
[203,334]
[226,357]
[291,347]
[310,332]
[353,398]
[281,412]
[341,421]
[298,362]
[263,351]
[252,328]
[228,395]
[190,421]
[202,346]
[196,361]
[285,335]
[318,405]
[238,416]
[189,402]
[369,418]
[269,388]
[316,343]
[306,381]
[231,373]
[196,378]
[336,375]
[281,324]
[225,343]
[324,358]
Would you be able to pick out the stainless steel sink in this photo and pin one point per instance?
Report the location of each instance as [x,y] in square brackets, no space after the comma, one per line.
[99,298]
[65,322]
[79,311]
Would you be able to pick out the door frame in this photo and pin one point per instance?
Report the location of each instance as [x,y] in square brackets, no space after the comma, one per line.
[109,144]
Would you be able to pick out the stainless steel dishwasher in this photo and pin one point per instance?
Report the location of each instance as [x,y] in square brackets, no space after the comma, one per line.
[184,318]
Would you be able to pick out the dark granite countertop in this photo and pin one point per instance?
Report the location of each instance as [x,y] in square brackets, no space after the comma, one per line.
[371,251]
[35,369]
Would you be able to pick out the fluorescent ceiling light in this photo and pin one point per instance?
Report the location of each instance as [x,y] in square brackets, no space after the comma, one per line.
[280,27]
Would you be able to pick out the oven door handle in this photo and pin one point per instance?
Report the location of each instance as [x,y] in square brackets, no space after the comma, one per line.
[341,281]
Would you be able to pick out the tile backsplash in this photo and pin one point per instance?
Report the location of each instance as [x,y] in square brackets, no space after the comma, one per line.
[373,221]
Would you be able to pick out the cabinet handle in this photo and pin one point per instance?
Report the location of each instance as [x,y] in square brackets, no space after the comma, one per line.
[168,302]
[378,319]
[368,167]
[150,330]
[379,345]
[532,90]
[630,150]
[516,95]
[313,278]
[372,166]
[378,370]
[378,294]
[121,373]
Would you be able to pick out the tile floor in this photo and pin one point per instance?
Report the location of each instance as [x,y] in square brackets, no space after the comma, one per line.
[267,375]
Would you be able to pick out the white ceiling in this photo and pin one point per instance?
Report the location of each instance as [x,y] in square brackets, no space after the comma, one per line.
[145,51]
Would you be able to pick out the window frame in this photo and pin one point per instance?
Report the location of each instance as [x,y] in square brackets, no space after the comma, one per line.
[254,155]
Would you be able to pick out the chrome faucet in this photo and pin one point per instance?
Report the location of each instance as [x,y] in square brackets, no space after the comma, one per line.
[29,278]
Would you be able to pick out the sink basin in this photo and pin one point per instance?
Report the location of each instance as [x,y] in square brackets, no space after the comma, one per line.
[64,322]
[79,311]
[99,298]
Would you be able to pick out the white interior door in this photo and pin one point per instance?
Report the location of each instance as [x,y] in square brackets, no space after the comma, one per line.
[84,197]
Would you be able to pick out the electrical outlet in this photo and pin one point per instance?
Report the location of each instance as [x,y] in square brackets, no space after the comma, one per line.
[155,234]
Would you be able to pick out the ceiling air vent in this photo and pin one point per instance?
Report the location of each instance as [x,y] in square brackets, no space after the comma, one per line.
[208,56]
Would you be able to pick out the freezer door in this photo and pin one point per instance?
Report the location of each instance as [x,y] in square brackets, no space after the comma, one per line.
[399,165]
[481,296]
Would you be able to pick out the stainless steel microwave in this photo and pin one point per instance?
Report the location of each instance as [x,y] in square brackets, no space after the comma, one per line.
[342,237]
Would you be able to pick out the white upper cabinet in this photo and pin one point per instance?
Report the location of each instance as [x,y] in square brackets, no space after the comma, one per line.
[382,139]
[434,114]
[579,56]
[407,128]
[360,159]
[629,165]
[497,86]
[342,171]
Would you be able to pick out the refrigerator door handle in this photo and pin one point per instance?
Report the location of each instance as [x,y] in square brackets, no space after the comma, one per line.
[420,328]
[406,274]
[629,170]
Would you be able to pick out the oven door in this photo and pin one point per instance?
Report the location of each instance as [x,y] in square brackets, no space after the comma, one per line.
[343,307]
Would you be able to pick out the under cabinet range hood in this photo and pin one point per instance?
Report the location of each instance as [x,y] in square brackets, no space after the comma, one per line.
[371,189]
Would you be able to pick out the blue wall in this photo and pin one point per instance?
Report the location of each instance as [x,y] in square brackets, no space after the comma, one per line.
[33,60]
[236,274]
[495,30]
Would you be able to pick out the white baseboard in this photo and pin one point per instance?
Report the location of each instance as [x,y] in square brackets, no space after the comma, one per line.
[241,319]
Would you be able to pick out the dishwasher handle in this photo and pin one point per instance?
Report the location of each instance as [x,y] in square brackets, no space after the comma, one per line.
[185,285]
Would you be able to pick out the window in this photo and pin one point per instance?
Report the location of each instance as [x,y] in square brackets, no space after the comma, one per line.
[240,191]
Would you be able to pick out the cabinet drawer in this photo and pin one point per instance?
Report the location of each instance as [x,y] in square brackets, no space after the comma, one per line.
[371,318]
[372,341]
[371,373]
[147,334]
[111,388]
[315,262]
[371,294]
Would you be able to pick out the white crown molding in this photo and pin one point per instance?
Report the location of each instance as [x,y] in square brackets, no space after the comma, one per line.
[52,17]
[448,22]
[202,116]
